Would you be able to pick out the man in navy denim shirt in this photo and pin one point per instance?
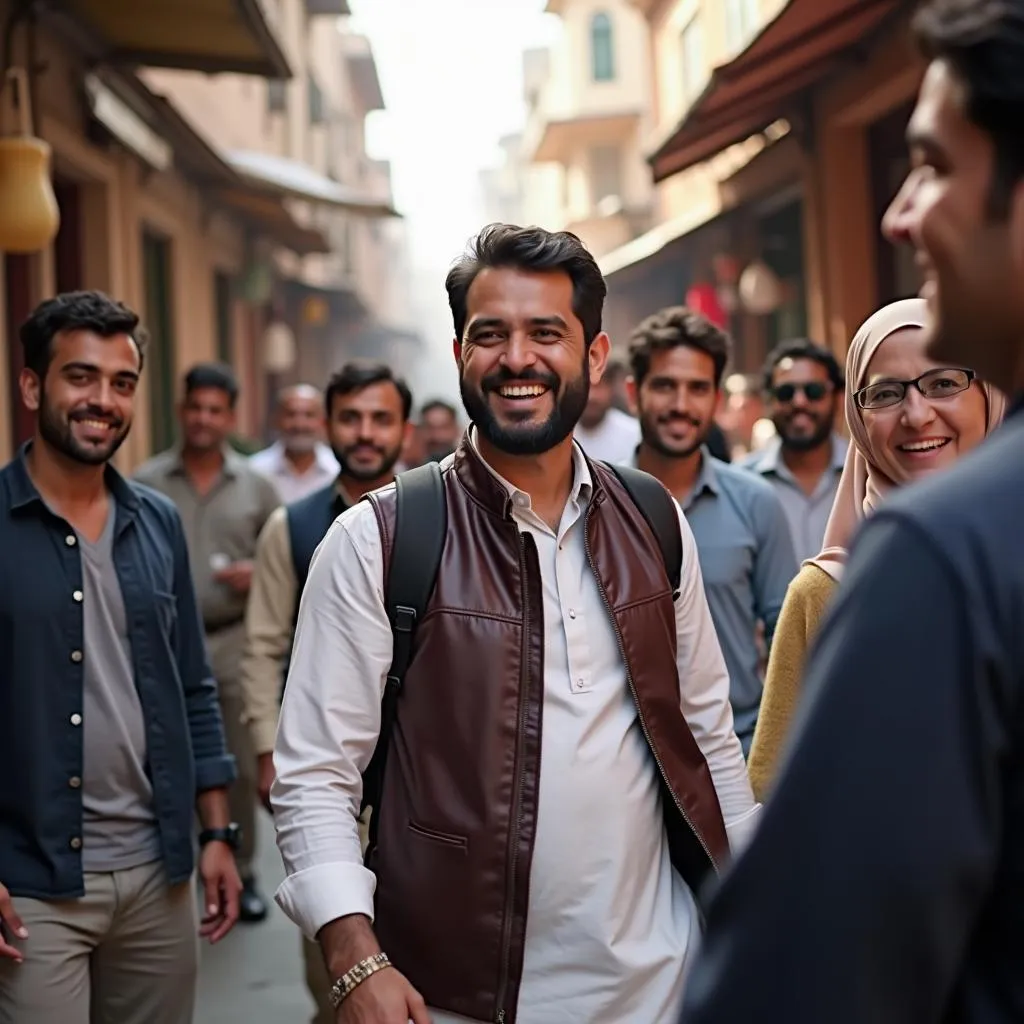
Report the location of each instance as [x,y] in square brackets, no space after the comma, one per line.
[110,731]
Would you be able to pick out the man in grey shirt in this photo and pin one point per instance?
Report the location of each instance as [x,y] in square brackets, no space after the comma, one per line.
[746,554]
[803,462]
[119,828]
[224,503]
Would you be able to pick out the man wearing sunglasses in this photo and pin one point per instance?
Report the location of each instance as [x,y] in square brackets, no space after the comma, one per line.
[803,462]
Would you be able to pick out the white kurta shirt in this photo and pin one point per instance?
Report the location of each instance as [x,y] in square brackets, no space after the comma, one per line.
[610,924]
[613,440]
[292,485]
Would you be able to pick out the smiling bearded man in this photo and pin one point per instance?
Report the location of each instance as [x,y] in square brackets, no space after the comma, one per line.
[559,712]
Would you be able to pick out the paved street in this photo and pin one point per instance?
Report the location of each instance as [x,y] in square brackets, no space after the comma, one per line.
[255,975]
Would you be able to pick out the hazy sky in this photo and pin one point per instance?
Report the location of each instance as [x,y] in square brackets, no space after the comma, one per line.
[451,74]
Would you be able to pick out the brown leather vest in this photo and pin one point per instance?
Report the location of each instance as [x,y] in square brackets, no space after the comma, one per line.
[459,803]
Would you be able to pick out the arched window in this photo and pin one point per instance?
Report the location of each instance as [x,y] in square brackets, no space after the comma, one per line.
[602,48]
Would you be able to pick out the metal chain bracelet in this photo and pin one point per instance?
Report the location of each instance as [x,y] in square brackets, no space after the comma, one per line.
[352,979]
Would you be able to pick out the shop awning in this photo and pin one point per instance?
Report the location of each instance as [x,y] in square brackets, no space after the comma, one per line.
[199,35]
[277,175]
[270,215]
[804,42]
[156,131]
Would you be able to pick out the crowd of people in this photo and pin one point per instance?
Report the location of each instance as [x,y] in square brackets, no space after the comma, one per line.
[566,714]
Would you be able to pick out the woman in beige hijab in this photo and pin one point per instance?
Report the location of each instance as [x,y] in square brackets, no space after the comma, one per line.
[908,417]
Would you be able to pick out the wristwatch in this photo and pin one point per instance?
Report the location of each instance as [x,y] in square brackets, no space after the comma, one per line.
[232,835]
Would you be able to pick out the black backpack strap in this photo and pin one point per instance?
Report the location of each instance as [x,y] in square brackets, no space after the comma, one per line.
[662,515]
[421,523]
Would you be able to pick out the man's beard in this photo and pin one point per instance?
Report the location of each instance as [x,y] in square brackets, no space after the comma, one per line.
[527,438]
[652,438]
[388,460]
[804,442]
[57,433]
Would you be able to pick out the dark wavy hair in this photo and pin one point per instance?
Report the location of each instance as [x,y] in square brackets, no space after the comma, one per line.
[506,245]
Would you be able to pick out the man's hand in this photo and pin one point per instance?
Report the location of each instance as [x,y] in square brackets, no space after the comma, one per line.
[10,924]
[221,888]
[384,998]
[237,576]
[265,778]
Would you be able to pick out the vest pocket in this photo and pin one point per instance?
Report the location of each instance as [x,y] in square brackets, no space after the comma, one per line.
[444,838]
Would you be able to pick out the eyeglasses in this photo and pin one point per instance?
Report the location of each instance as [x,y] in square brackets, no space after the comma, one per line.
[814,391]
[942,383]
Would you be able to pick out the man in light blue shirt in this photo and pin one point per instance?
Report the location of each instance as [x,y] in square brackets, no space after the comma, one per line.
[746,553]
[803,462]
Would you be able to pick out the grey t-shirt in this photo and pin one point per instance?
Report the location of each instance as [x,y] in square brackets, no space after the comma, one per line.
[119,828]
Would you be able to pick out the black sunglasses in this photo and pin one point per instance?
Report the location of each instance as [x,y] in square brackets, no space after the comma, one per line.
[814,391]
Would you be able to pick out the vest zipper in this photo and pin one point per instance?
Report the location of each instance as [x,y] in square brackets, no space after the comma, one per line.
[633,691]
[517,793]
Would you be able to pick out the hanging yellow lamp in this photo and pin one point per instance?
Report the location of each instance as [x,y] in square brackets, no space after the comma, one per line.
[29,215]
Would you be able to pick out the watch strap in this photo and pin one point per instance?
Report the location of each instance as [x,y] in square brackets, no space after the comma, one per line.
[229,835]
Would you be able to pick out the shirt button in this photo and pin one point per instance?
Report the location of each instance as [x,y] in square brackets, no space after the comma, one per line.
[572,613]
[579,683]
[77,596]
[76,656]
[74,782]
[76,719]
[71,540]
[76,843]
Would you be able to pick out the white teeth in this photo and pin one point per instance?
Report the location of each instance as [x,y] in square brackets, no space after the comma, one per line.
[925,446]
[96,424]
[522,390]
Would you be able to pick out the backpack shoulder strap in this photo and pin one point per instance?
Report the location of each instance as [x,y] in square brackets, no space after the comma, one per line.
[421,523]
[659,509]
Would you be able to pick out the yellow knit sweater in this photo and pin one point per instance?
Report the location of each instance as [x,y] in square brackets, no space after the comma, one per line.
[806,599]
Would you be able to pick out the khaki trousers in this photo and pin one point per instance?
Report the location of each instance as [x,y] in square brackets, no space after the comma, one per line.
[125,953]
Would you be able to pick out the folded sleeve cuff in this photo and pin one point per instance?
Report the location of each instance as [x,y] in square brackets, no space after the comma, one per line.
[318,895]
[741,830]
[264,735]
[215,772]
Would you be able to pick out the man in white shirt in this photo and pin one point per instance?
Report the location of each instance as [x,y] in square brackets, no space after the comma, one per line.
[604,432]
[298,462]
[563,770]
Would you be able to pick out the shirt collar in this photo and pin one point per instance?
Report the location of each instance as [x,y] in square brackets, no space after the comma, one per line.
[23,492]
[582,481]
[769,459]
[232,461]
[325,460]
[707,478]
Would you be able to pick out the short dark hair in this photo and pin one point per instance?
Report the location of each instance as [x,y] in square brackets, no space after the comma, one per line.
[441,405]
[983,42]
[359,374]
[75,311]
[803,348]
[212,375]
[676,327]
[530,249]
